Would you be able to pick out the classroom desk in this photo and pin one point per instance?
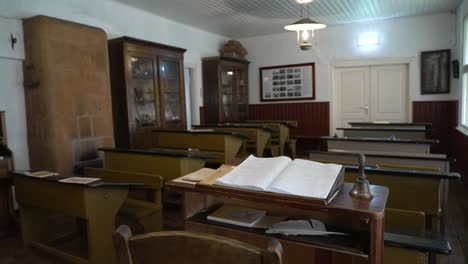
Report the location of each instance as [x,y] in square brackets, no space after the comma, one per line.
[259,135]
[385,132]
[94,205]
[425,162]
[379,144]
[167,163]
[226,145]
[427,126]
[282,133]
[364,217]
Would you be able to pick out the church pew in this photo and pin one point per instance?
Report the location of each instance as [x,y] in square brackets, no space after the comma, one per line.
[379,144]
[258,135]
[377,132]
[281,134]
[224,144]
[425,162]
[427,126]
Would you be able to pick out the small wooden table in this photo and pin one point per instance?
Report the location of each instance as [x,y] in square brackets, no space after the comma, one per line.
[42,200]
[225,144]
[259,135]
[365,219]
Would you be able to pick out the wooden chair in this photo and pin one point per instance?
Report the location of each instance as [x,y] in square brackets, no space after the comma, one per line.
[187,247]
[143,209]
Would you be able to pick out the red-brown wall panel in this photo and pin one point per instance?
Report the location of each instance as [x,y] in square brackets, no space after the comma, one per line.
[313,118]
[444,118]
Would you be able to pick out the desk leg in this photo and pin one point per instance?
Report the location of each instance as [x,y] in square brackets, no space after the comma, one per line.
[376,241]
[103,206]
[262,140]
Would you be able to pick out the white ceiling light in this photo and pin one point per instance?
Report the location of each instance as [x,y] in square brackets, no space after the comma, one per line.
[305,28]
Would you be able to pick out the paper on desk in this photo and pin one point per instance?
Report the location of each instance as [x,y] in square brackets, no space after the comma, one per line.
[310,227]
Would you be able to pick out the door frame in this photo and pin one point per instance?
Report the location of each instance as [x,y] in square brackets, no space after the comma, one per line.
[413,80]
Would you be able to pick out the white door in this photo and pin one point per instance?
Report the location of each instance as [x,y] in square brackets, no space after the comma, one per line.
[351,97]
[389,93]
[370,94]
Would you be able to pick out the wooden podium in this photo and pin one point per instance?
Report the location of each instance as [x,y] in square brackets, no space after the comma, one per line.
[363,220]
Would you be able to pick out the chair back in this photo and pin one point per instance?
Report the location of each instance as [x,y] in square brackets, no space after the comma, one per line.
[186,247]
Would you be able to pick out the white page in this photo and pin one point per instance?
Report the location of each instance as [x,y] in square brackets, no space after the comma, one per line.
[255,173]
[306,178]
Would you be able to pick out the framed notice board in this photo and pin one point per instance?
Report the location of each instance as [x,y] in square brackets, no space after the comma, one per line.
[287,82]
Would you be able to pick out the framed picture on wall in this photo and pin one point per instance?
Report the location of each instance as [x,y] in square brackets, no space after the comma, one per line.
[287,82]
[435,72]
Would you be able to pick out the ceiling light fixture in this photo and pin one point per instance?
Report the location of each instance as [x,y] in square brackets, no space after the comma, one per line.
[305,27]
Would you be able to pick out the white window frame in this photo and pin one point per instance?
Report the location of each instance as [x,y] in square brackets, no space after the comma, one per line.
[464,75]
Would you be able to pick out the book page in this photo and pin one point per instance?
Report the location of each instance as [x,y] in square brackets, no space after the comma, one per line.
[255,173]
[306,178]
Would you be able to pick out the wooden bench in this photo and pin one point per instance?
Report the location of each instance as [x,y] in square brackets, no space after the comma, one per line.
[224,144]
[425,162]
[167,164]
[383,145]
[383,132]
[142,210]
[259,136]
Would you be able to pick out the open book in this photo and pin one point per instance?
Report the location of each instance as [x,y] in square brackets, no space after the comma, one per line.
[282,175]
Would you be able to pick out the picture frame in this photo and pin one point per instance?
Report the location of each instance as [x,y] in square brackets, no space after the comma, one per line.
[435,72]
[291,82]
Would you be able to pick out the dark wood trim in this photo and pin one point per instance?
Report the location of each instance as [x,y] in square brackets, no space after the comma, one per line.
[385,140]
[350,153]
[312,64]
[126,39]
[414,173]
[162,152]
[229,133]
[217,58]
[427,125]
[382,129]
[229,125]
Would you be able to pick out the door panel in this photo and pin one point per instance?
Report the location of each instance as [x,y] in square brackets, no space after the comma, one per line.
[370,94]
[389,96]
[352,95]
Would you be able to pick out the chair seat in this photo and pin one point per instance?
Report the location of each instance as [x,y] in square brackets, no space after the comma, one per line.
[138,209]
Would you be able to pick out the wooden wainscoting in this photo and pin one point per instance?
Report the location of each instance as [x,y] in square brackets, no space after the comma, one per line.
[444,118]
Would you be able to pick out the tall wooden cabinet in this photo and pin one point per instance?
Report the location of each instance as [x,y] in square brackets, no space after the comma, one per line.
[147,82]
[225,89]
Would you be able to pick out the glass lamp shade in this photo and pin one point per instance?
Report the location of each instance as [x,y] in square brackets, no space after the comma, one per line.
[305,31]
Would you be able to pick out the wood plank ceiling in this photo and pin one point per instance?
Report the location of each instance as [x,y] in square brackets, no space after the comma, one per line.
[246,18]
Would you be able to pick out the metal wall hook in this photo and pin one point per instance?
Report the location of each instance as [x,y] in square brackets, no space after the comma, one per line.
[13,41]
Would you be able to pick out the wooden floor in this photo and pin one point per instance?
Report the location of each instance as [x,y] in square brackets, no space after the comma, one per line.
[12,252]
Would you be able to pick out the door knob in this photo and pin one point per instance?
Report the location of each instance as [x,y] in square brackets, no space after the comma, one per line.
[365,107]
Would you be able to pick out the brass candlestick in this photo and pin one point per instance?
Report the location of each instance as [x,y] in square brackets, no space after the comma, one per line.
[361,187]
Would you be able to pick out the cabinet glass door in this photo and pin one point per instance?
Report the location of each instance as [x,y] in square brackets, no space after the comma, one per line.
[172,92]
[142,90]
[227,94]
[242,94]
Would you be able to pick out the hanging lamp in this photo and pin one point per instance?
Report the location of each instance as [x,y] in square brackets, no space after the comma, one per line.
[305,27]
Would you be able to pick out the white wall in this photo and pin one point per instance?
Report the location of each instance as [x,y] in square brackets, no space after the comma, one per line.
[116,19]
[462,12]
[400,40]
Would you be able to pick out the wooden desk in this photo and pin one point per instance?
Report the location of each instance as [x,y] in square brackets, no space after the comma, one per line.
[223,143]
[259,135]
[169,164]
[398,125]
[380,144]
[95,205]
[282,133]
[365,243]
[385,132]
[424,162]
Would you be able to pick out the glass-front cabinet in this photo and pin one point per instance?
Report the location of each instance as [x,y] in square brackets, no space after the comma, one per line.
[225,90]
[147,90]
